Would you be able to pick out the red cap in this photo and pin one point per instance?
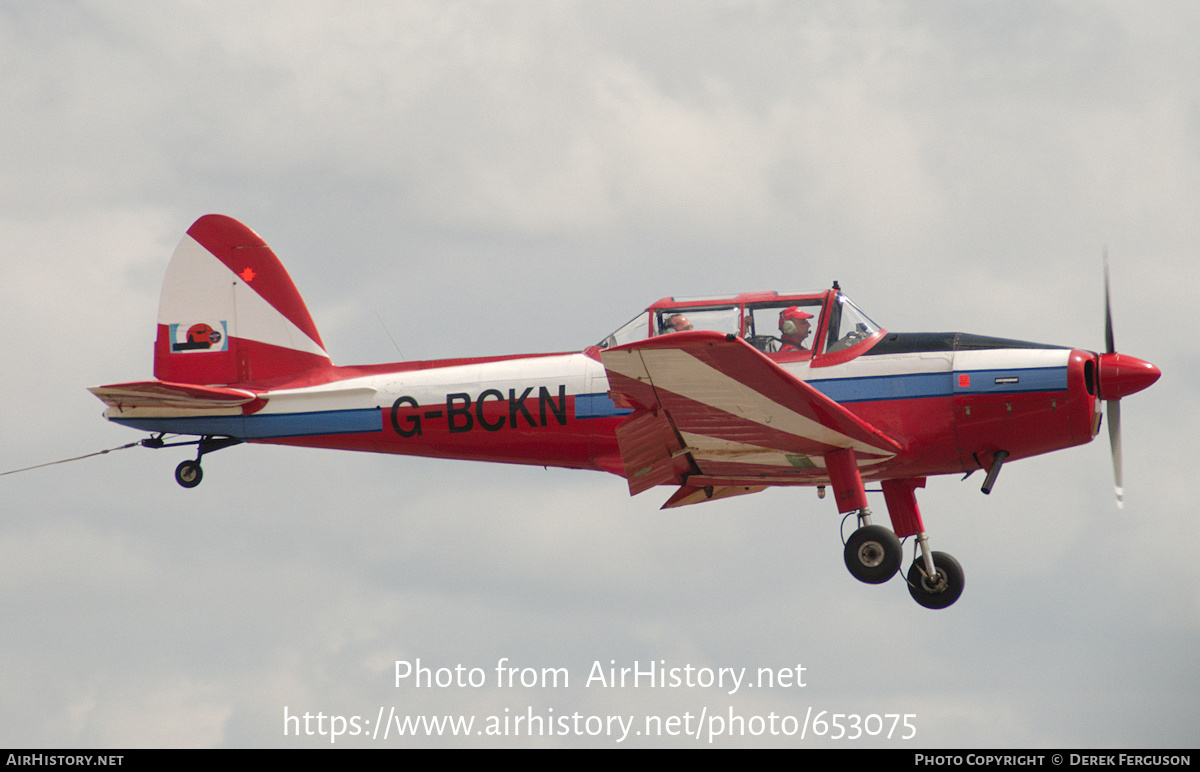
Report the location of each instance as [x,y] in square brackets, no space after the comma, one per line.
[792,312]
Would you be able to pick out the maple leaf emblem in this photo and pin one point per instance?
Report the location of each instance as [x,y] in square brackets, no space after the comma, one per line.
[248,274]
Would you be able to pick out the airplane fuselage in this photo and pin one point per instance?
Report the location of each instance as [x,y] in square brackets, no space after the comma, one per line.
[949,405]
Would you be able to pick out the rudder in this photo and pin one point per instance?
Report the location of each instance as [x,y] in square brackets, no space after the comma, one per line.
[230,313]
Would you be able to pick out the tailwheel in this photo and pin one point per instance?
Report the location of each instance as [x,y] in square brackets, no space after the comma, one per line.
[873,554]
[937,590]
[189,474]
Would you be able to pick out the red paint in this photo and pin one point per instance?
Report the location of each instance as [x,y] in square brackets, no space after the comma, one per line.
[847,485]
[902,505]
[1122,375]
[242,250]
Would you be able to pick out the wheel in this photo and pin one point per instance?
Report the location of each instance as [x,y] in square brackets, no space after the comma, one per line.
[938,591]
[873,554]
[189,474]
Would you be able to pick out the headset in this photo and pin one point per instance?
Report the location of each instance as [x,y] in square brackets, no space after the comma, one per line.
[789,317]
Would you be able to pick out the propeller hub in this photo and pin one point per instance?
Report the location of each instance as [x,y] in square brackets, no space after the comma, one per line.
[1122,375]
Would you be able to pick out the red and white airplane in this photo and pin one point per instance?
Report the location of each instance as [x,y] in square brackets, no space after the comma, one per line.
[717,396]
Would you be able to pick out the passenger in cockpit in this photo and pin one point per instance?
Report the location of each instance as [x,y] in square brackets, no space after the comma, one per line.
[677,323]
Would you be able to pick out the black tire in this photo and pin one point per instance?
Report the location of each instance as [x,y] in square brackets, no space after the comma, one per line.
[941,590]
[189,474]
[873,554]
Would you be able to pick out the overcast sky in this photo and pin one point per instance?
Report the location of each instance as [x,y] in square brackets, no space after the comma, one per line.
[493,178]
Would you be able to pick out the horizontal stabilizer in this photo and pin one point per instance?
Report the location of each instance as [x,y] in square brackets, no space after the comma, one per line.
[180,396]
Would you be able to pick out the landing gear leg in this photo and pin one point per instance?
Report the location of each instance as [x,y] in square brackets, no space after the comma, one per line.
[935,579]
[873,554]
[188,473]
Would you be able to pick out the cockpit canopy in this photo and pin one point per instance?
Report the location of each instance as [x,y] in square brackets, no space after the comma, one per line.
[762,320]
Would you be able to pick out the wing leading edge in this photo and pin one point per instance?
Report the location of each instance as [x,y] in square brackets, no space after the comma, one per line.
[717,417]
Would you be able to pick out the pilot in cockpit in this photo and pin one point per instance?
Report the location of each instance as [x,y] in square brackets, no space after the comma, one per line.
[793,328]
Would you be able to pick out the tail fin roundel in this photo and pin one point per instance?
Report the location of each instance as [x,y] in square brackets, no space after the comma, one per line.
[229,313]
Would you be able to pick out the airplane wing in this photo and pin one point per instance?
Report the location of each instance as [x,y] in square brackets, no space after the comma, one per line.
[719,418]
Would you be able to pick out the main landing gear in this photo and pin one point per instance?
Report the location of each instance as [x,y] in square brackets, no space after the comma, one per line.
[189,474]
[873,553]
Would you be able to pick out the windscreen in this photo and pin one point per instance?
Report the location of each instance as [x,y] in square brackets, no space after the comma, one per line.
[848,325]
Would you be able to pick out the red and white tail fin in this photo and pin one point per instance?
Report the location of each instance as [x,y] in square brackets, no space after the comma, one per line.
[229,312]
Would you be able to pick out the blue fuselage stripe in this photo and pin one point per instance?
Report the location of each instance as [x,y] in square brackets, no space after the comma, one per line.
[598,405]
[269,426]
[918,385]
[875,388]
[1014,381]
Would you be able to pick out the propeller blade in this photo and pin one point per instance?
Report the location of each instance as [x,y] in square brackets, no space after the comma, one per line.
[1109,347]
[1113,407]
[1119,375]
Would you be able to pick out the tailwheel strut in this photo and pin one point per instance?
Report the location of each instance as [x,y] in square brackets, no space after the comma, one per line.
[189,474]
